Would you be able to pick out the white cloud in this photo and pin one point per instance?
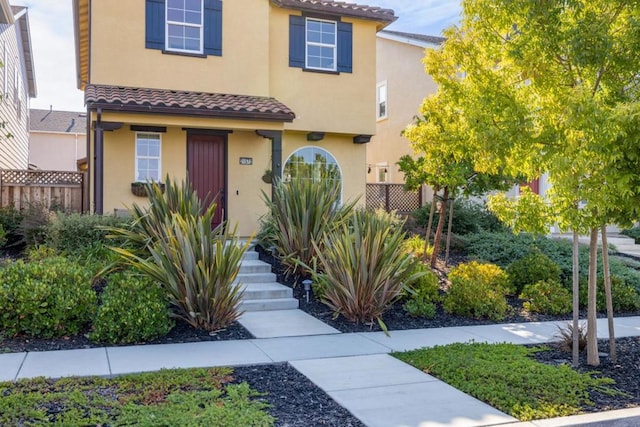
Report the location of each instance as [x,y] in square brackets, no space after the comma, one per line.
[51,23]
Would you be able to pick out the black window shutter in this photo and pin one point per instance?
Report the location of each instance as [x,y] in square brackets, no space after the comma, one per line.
[297,38]
[345,47]
[154,24]
[213,27]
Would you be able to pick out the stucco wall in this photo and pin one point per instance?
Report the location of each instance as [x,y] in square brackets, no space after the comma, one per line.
[14,151]
[56,151]
[119,57]
[400,65]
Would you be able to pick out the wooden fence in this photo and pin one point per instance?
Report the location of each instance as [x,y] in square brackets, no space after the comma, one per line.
[393,197]
[55,190]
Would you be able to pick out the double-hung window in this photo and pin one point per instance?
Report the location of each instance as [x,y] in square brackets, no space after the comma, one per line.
[184,26]
[148,159]
[321,42]
[382,112]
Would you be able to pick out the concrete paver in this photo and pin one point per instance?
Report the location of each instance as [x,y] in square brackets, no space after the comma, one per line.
[347,373]
[428,404]
[65,363]
[412,339]
[317,347]
[516,333]
[10,365]
[146,358]
[284,323]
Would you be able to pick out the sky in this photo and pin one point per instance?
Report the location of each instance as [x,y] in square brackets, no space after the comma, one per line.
[52,41]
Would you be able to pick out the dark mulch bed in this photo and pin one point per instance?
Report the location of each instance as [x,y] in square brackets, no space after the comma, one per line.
[181,333]
[625,372]
[295,401]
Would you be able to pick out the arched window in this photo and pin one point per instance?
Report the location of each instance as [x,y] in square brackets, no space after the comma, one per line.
[312,163]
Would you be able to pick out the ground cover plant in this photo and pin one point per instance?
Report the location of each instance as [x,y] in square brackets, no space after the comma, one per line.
[194,397]
[507,377]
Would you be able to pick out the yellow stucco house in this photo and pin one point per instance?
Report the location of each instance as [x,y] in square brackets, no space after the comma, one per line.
[17,85]
[402,85]
[219,91]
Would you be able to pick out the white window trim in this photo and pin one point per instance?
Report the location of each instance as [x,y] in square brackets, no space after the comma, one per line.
[16,84]
[5,64]
[135,177]
[307,43]
[379,167]
[382,84]
[329,153]
[167,22]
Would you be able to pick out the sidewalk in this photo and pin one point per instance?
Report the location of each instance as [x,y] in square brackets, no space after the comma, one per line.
[353,368]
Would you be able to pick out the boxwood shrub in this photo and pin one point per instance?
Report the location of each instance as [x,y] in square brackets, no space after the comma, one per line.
[531,269]
[547,297]
[133,309]
[49,298]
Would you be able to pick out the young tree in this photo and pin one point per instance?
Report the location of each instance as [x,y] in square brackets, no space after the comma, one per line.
[552,87]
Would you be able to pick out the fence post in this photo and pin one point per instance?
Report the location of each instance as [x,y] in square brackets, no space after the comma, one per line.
[386,197]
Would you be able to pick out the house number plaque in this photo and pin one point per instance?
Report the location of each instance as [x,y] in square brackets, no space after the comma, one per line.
[246,161]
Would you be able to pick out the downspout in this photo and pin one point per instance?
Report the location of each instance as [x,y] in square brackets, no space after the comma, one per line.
[276,154]
[87,198]
[99,164]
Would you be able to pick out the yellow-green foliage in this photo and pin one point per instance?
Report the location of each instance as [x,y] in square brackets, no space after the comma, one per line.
[531,269]
[477,290]
[624,297]
[49,298]
[415,245]
[423,293]
[506,377]
[546,297]
[133,309]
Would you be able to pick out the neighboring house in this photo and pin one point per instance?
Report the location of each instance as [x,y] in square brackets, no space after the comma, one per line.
[402,85]
[57,140]
[17,85]
[218,91]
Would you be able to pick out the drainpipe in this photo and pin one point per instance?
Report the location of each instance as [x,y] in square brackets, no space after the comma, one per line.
[98,159]
[276,154]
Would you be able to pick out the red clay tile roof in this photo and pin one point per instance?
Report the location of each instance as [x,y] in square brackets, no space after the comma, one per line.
[145,100]
[340,8]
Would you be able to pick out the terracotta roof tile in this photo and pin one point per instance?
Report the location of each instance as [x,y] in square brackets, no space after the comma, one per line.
[57,121]
[340,8]
[166,101]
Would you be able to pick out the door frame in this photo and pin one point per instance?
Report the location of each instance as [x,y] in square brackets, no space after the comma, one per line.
[224,134]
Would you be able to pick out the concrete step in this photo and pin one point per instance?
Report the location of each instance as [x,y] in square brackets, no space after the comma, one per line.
[255,278]
[256,291]
[254,266]
[269,304]
[250,255]
[627,247]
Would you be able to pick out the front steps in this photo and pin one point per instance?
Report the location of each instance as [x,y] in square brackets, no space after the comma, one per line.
[261,291]
[623,244]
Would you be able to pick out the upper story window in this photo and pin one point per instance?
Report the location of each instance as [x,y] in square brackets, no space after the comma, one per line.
[192,27]
[321,44]
[16,84]
[148,160]
[382,101]
[184,25]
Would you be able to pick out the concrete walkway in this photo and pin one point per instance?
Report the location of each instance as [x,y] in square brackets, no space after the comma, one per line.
[353,368]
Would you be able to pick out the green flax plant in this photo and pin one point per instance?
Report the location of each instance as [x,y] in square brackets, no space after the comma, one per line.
[363,271]
[300,212]
[174,243]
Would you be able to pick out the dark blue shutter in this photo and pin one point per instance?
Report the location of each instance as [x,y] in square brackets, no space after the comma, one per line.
[154,24]
[297,39]
[345,47]
[213,27]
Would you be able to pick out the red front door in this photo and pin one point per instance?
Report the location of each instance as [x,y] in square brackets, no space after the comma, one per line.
[206,170]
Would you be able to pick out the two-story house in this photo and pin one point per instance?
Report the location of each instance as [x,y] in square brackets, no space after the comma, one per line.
[17,85]
[218,91]
[402,85]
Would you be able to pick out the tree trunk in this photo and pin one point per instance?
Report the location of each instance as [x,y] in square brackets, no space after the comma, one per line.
[448,245]
[438,236]
[427,234]
[576,301]
[607,292]
[593,359]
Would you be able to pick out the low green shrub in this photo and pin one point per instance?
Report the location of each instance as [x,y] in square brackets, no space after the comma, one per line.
[420,307]
[546,297]
[468,217]
[415,245]
[624,297]
[74,233]
[506,377]
[34,225]
[49,298]
[132,309]
[633,233]
[427,285]
[10,220]
[477,290]
[531,269]
[3,237]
